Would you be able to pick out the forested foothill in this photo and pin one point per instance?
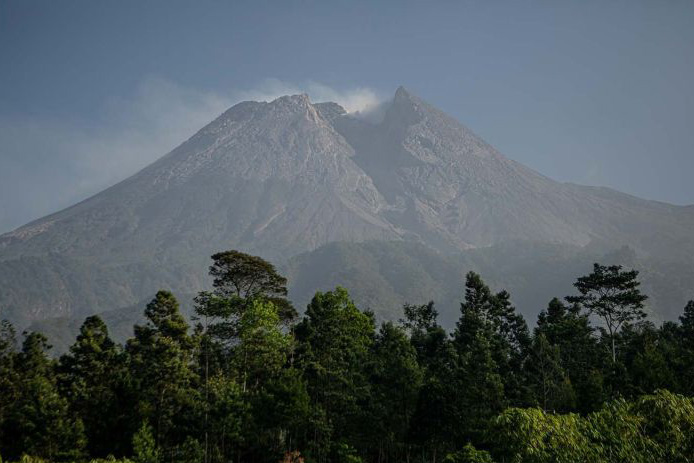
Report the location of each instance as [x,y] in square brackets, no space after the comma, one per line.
[249,380]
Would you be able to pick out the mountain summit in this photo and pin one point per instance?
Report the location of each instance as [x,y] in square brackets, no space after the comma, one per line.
[287,177]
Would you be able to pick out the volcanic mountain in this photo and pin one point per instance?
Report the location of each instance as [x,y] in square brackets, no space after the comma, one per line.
[400,208]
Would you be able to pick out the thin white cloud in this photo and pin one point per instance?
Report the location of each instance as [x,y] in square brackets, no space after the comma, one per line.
[358,99]
[48,164]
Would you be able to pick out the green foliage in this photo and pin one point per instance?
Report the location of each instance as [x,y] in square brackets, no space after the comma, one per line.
[227,412]
[344,453]
[249,385]
[239,279]
[38,421]
[192,451]
[492,342]
[396,379]
[9,381]
[334,341]
[684,349]
[8,338]
[469,454]
[91,376]
[263,347]
[669,423]
[161,356]
[491,316]
[546,377]
[687,321]
[533,436]
[164,319]
[242,277]
[656,428]
[278,415]
[145,449]
[613,295]
[244,347]
[32,459]
[580,356]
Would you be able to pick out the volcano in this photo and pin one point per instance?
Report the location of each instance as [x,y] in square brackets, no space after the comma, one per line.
[395,209]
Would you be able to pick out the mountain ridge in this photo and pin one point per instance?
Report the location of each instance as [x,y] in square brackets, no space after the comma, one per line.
[287,177]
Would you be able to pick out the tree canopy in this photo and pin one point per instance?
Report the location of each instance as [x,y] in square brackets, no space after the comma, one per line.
[593,380]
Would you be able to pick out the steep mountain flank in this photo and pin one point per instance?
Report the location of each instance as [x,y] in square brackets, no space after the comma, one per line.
[285,178]
[449,186]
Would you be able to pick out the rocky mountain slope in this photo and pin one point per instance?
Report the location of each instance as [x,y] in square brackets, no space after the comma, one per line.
[282,179]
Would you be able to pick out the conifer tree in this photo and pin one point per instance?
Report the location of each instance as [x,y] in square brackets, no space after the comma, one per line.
[480,391]
[495,318]
[91,376]
[39,422]
[396,378]
[428,338]
[9,384]
[477,391]
[145,449]
[646,357]
[687,323]
[685,351]
[161,356]
[334,339]
[550,384]
[567,328]
[433,418]
[227,419]
[476,312]
[510,348]
[263,347]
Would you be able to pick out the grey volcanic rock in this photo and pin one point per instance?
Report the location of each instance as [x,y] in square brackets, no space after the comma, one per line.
[450,187]
[284,178]
[260,176]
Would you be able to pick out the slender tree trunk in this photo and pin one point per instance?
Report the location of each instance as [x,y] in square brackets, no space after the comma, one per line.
[207,393]
[159,414]
[614,350]
[245,370]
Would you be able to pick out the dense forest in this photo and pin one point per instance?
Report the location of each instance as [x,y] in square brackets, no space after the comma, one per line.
[248,380]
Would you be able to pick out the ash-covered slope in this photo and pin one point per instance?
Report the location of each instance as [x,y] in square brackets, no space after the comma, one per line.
[286,177]
[270,178]
[265,176]
[450,187]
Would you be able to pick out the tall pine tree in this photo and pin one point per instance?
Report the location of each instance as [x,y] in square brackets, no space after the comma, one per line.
[92,376]
[161,355]
[334,340]
[39,422]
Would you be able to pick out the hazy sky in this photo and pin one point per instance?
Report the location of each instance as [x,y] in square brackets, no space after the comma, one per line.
[596,92]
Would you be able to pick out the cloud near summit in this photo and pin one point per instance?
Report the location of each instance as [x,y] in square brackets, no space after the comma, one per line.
[355,100]
[47,164]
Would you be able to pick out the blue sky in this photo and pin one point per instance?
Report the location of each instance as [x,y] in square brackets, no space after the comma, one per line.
[590,92]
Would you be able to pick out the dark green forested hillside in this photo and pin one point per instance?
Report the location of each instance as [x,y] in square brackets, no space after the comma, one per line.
[246,379]
[382,276]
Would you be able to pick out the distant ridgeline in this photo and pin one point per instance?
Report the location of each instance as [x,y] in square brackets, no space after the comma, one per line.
[249,380]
